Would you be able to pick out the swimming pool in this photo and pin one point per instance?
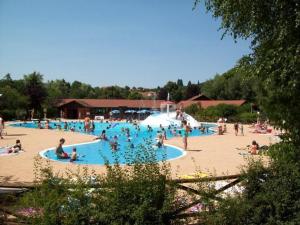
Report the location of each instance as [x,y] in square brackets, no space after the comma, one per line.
[140,142]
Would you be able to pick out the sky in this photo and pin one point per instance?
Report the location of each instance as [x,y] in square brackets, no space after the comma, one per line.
[114,42]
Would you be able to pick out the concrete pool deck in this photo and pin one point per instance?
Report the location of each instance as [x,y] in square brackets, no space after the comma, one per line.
[215,154]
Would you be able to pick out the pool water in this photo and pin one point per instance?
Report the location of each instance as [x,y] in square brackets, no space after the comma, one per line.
[140,143]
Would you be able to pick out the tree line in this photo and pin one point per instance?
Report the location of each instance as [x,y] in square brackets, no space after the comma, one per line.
[32,92]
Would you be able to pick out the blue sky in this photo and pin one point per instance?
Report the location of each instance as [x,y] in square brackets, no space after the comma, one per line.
[114,42]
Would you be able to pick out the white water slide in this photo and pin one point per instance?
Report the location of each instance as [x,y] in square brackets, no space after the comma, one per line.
[168,119]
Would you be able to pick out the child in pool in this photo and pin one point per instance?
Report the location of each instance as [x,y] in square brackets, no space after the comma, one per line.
[74,155]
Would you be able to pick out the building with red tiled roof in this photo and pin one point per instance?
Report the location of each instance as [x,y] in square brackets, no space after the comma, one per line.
[80,108]
[198,97]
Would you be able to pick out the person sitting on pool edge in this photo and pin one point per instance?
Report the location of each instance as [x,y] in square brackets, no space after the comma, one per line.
[59,150]
[74,155]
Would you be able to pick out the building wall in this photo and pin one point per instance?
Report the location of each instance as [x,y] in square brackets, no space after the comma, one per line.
[83,112]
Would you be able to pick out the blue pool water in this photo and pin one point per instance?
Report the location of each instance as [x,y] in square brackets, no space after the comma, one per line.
[99,152]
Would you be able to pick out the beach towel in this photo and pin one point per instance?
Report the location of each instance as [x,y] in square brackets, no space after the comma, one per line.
[4,152]
[194,175]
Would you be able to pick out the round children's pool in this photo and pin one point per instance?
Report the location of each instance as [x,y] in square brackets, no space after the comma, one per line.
[132,142]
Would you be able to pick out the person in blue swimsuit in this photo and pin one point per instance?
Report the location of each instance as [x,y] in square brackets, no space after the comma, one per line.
[185,134]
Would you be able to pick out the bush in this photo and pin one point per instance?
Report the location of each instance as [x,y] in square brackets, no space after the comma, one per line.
[231,112]
[247,117]
[193,109]
[135,194]
[271,195]
[213,113]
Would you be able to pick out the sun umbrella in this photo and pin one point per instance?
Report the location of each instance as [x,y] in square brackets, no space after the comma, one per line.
[154,111]
[115,111]
[142,111]
[129,111]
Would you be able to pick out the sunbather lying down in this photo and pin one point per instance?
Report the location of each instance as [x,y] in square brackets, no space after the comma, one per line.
[13,149]
[16,148]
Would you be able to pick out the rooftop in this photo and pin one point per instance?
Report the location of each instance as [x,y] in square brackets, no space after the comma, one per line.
[113,103]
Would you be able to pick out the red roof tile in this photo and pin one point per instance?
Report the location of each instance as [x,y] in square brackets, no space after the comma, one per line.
[113,103]
[198,97]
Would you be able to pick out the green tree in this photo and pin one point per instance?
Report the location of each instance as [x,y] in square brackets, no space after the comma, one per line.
[271,195]
[57,89]
[6,81]
[13,104]
[162,93]
[273,27]
[179,83]
[81,90]
[35,90]
[135,95]
[191,90]
[236,83]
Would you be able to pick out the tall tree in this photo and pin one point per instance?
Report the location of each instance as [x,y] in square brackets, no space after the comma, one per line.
[271,195]
[6,80]
[191,90]
[162,93]
[274,28]
[13,104]
[179,83]
[35,90]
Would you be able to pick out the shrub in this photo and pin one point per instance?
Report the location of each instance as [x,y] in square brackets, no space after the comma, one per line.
[271,194]
[135,194]
[247,117]
[193,109]
[213,113]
